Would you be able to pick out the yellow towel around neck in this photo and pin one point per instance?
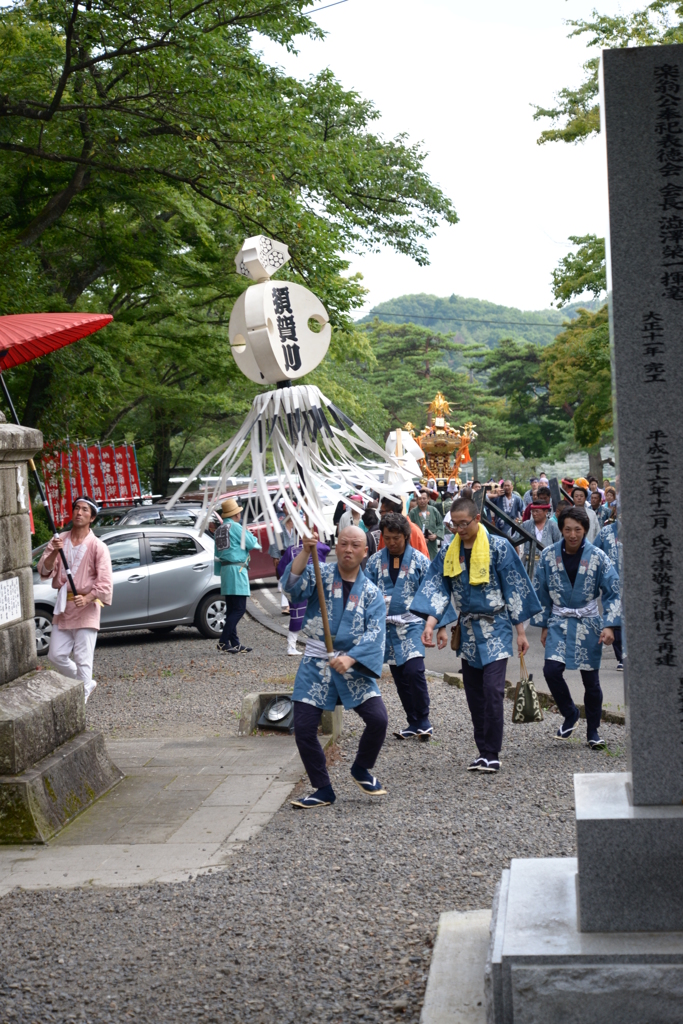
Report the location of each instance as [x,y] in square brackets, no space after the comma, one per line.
[479,562]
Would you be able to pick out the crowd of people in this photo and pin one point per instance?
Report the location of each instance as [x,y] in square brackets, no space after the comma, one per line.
[406,574]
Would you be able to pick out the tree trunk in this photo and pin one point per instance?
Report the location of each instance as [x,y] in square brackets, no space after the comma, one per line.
[38,393]
[595,463]
[57,205]
[162,433]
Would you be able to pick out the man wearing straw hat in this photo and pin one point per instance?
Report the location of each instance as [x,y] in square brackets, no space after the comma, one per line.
[232,546]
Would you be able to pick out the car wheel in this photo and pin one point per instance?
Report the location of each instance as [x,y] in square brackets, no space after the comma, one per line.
[43,621]
[161,630]
[211,616]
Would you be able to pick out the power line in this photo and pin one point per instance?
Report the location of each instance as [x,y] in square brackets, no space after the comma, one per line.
[466,320]
[335,4]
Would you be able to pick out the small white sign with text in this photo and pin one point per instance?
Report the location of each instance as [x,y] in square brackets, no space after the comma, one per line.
[10,600]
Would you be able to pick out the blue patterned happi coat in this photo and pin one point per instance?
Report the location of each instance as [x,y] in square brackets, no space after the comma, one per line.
[357,630]
[576,641]
[509,589]
[403,641]
[608,541]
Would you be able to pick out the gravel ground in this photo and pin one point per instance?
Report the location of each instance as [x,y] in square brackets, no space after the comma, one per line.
[179,685]
[328,915]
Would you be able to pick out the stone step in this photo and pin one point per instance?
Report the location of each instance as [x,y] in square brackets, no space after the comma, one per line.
[38,713]
[38,802]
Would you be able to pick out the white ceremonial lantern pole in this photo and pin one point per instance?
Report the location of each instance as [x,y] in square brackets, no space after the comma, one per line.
[315,448]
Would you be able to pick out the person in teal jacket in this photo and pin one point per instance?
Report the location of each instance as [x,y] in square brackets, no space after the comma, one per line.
[231,560]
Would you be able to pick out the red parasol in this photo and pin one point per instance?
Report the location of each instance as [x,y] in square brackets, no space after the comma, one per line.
[26,336]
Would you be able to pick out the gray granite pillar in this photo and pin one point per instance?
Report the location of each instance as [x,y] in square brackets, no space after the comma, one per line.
[643,114]
[50,767]
[603,936]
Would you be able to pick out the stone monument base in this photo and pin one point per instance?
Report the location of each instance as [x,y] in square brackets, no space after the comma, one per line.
[541,969]
[624,848]
[35,805]
[51,769]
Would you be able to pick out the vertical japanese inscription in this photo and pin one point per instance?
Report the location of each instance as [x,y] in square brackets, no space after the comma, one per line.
[286,327]
[669,152]
[669,156]
[652,335]
[661,544]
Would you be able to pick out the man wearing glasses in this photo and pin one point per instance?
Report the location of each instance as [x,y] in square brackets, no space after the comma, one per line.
[491,592]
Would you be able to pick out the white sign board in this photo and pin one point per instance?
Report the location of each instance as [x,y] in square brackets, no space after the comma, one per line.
[10,600]
[270,333]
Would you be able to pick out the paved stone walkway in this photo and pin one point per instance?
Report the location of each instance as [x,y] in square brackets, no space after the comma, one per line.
[184,808]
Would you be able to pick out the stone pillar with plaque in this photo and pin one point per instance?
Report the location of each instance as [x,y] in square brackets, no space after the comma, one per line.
[51,769]
[601,936]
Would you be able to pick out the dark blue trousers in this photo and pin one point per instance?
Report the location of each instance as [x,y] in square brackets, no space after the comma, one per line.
[411,686]
[617,645]
[554,677]
[306,721]
[235,607]
[485,692]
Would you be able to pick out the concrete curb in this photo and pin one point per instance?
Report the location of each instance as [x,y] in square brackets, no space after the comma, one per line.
[544,699]
[264,619]
[253,704]
[455,987]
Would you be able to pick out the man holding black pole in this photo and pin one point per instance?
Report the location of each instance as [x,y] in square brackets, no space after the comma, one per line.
[348,675]
[76,618]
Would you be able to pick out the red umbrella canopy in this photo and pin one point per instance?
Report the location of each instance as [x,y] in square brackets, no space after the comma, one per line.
[26,336]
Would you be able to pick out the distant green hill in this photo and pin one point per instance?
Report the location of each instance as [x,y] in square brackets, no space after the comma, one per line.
[473,320]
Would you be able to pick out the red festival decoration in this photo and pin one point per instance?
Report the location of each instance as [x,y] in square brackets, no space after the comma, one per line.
[107,473]
[26,336]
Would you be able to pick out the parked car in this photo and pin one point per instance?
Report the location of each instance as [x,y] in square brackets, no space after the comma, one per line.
[163,578]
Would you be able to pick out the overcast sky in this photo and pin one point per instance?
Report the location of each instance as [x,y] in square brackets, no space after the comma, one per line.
[462,77]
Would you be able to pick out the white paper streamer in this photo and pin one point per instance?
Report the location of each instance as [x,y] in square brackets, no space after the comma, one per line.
[311,443]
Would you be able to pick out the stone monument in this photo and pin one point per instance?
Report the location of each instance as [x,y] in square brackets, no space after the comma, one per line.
[602,936]
[51,769]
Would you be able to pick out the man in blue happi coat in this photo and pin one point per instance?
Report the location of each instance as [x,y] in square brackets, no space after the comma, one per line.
[608,541]
[398,570]
[571,575]
[492,592]
[349,675]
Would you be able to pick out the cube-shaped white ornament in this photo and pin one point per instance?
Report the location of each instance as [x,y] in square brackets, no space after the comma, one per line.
[261,257]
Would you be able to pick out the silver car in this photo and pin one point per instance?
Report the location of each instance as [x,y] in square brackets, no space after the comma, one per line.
[163,578]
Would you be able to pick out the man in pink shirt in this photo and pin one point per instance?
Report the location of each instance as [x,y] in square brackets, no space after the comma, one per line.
[77,619]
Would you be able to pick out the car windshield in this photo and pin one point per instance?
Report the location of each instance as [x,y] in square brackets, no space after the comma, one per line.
[110,517]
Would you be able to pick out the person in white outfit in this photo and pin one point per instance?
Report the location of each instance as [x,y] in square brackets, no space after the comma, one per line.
[76,619]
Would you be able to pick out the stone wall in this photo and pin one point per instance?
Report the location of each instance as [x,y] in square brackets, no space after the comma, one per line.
[17,630]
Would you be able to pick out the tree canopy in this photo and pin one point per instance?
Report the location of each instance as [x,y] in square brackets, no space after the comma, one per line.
[576,114]
[578,374]
[141,143]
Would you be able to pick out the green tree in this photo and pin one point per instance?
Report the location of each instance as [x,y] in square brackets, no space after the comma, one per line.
[523,421]
[577,370]
[142,143]
[582,271]
[411,363]
[576,114]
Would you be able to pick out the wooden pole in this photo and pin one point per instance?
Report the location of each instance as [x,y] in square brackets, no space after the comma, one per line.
[321,597]
[39,488]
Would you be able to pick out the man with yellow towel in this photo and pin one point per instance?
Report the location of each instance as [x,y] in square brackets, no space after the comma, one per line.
[483,576]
